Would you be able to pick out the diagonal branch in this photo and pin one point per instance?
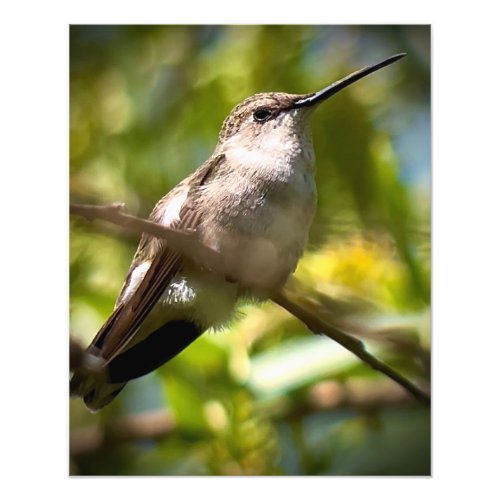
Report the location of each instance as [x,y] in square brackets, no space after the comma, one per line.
[187,244]
[184,242]
[352,344]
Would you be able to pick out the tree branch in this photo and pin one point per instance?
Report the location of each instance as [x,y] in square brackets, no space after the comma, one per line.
[182,241]
[354,345]
[187,244]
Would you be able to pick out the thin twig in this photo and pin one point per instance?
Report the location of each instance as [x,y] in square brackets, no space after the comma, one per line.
[190,246]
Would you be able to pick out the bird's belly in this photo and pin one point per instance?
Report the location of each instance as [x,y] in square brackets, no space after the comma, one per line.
[262,248]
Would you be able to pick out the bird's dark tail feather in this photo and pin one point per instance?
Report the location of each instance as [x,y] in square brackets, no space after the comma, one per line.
[150,353]
[153,351]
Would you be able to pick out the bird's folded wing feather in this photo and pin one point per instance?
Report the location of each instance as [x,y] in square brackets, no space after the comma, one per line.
[133,305]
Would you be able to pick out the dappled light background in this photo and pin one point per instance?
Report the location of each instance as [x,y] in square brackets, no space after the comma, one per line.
[264,396]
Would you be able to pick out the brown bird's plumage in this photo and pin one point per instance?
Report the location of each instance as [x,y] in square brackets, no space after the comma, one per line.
[165,263]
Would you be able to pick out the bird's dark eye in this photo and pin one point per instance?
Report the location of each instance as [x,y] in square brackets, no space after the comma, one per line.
[262,114]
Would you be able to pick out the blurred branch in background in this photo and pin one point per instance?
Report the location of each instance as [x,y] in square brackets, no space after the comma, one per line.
[158,424]
[189,245]
[151,425]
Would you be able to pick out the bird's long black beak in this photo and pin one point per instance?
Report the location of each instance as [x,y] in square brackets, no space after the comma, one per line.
[317,97]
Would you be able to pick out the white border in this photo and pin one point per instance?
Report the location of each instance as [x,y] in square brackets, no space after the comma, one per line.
[34,85]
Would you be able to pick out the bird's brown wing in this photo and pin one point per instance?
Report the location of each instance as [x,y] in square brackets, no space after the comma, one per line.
[132,309]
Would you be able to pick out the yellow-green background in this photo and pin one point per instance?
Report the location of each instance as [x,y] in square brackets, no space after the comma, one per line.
[264,396]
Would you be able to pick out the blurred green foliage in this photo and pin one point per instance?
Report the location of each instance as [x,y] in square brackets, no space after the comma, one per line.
[264,396]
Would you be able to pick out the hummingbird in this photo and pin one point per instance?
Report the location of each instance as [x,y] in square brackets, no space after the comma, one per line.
[253,201]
